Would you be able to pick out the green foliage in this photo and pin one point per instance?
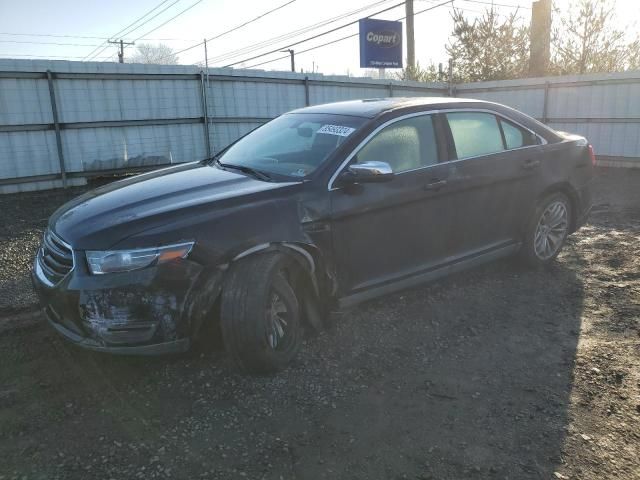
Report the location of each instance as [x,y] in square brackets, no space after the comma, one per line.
[585,39]
[419,74]
[489,48]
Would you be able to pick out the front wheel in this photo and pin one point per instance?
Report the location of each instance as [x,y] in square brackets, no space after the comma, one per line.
[547,231]
[260,314]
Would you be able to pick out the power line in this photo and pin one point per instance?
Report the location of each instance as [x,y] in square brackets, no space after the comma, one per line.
[147,21]
[51,43]
[127,30]
[493,4]
[131,24]
[295,33]
[159,26]
[346,37]
[93,38]
[171,19]
[315,36]
[11,55]
[52,35]
[234,28]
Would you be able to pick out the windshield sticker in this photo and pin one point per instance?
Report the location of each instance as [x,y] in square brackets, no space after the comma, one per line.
[336,130]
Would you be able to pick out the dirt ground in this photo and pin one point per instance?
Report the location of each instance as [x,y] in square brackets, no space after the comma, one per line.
[498,373]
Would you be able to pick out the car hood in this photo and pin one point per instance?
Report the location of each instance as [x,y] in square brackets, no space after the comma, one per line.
[104,216]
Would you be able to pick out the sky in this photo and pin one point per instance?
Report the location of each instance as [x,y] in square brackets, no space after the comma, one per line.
[63,23]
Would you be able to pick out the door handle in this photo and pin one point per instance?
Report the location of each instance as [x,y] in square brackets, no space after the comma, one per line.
[530,163]
[435,185]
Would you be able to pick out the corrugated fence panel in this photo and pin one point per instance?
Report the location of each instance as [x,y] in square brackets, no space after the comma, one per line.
[608,139]
[24,101]
[529,101]
[92,149]
[319,94]
[111,100]
[595,101]
[25,154]
[252,99]
[408,92]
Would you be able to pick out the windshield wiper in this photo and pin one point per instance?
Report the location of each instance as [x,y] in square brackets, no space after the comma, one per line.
[248,170]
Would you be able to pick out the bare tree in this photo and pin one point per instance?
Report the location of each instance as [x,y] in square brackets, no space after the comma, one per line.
[585,39]
[155,54]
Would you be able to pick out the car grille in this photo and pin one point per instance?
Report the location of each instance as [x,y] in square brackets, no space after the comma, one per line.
[56,257]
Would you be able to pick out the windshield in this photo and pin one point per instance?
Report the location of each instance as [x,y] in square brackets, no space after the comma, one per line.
[293,145]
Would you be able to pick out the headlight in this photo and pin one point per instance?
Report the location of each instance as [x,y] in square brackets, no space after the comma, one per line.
[111,261]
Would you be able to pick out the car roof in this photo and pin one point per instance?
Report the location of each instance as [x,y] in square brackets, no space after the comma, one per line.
[372,107]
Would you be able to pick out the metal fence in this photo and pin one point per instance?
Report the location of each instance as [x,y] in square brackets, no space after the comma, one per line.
[61,122]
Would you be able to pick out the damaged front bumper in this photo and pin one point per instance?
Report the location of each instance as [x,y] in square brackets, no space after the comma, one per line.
[143,312]
[175,346]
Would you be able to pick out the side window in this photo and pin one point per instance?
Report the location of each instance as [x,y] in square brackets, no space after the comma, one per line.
[516,137]
[475,133]
[405,145]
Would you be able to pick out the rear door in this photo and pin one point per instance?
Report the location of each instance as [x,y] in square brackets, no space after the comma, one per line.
[492,179]
[383,232]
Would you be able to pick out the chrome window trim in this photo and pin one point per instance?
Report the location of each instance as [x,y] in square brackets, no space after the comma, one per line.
[355,151]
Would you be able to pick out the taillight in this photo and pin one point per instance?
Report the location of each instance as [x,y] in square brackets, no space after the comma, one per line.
[592,154]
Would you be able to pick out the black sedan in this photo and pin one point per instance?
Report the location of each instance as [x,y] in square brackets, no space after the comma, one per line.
[320,209]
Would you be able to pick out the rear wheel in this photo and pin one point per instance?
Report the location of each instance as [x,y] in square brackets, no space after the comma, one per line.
[547,230]
[260,314]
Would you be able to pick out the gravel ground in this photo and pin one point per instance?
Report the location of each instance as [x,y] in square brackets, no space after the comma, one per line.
[498,373]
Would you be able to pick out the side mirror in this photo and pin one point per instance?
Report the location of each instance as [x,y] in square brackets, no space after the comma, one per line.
[367,172]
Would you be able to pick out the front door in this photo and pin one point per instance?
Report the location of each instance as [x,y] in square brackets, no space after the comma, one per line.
[383,232]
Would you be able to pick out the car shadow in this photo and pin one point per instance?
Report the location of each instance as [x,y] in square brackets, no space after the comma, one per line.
[472,376]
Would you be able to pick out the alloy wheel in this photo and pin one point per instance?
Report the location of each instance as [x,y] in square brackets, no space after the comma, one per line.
[551,230]
[277,321]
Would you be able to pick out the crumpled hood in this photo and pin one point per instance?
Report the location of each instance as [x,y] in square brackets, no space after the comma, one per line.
[104,216]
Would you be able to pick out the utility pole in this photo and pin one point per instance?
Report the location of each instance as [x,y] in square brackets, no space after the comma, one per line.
[121,52]
[293,61]
[206,60]
[539,53]
[411,45]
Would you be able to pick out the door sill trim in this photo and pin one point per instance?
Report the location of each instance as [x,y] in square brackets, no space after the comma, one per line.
[430,275]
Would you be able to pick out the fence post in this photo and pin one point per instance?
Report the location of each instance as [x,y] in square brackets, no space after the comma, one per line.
[545,107]
[451,89]
[56,124]
[307,101]
[205,113]
[390,89]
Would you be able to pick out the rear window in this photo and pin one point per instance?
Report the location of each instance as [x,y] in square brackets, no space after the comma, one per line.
[475,133]
[516,137]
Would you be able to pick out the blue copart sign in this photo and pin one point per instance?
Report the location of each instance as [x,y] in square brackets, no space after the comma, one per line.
[380,43]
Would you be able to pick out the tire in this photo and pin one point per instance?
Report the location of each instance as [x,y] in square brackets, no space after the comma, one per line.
[260,314]
[551,220]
